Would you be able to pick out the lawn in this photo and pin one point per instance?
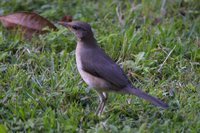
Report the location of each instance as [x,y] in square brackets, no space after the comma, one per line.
[156,42]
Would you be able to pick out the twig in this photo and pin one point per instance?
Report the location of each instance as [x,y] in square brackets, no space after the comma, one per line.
[120,16]
[159,70]
[163,10]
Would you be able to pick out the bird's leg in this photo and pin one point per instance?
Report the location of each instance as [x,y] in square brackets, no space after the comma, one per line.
[103,103]
[103,98]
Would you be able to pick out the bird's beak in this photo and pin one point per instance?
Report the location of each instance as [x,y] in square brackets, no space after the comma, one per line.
[66,24]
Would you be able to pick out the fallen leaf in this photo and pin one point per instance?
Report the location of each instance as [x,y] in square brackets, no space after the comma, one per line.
[67,19]
[28,22]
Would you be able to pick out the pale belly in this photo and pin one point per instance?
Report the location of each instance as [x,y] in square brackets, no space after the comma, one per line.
[92,81]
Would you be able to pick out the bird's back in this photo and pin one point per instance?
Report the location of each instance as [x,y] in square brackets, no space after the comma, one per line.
[94,61]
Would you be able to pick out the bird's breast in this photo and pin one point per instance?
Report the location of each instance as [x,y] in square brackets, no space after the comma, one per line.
[92,81]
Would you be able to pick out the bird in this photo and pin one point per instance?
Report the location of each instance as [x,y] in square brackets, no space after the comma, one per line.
[98,70]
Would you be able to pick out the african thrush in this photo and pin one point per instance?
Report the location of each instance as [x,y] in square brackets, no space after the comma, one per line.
[98,70]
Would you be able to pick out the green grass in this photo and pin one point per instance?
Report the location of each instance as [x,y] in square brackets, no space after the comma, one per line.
[41,90]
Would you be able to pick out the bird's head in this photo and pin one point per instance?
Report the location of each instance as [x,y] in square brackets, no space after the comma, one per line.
[81,30]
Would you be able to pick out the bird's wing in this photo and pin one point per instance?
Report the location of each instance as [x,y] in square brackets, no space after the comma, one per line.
[102,66]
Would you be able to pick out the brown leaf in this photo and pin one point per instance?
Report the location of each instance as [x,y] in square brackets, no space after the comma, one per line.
[29,23]
[67,19]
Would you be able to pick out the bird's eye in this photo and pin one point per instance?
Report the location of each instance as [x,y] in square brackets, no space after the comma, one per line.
[75,27]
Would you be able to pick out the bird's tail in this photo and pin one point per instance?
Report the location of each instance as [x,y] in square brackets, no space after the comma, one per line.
[145,96]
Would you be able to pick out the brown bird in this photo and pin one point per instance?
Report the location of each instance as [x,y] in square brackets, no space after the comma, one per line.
[98,70]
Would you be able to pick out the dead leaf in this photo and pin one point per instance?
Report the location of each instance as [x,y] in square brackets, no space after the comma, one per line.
[67,19]
[28,22]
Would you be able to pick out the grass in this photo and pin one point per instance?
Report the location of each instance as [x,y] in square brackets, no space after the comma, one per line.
[41,90]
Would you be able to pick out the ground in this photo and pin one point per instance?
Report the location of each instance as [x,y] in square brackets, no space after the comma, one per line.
[156,42]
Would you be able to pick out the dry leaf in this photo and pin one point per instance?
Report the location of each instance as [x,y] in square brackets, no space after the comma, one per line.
[28,22]
[67,19]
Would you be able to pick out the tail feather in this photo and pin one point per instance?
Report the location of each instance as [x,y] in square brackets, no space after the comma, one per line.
[145,96]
